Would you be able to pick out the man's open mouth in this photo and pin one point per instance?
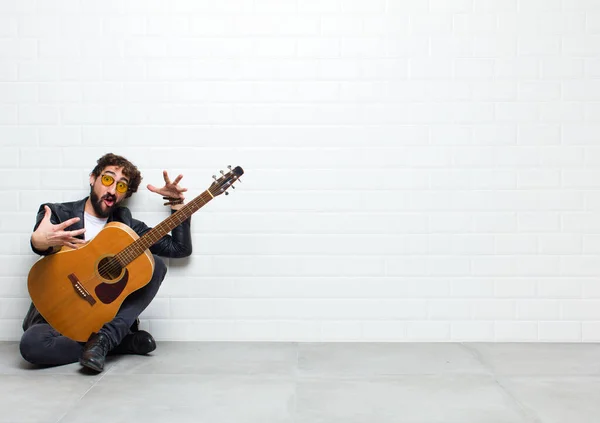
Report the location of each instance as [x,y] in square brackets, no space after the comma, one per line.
[109,202]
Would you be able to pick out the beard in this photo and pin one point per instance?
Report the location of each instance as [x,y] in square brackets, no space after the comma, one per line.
[101,209]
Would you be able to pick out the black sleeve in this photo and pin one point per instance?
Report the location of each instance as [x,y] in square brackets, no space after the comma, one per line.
[176,245]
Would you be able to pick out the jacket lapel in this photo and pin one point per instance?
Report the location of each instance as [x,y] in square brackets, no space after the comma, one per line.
[78,208]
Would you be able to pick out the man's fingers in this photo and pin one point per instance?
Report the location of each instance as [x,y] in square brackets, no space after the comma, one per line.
[77,232]
[152,188]
[166,176]
[179,197]
[70,236]
[176,181]
[72,242]
[47,214]
[67,223]
[77,240]
[67,235]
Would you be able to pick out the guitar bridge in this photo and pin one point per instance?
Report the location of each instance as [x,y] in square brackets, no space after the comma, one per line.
[80,289]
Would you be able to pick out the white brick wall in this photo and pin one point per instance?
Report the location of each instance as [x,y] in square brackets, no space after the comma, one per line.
[415,170]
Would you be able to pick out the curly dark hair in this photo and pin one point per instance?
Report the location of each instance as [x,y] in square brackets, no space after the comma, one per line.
[129,170]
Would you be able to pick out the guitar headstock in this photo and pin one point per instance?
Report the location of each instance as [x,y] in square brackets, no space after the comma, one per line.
[222,184]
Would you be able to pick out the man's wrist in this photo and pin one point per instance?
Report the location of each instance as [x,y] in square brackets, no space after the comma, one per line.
[38,243]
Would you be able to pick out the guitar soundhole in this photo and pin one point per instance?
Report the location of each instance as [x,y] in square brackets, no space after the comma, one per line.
[109,268]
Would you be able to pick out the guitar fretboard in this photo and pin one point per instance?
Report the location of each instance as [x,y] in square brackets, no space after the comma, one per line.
[138,247]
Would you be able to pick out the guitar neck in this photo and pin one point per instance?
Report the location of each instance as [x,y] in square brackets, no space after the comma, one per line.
[151,237]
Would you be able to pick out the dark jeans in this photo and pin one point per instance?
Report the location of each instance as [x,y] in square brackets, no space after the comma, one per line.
[42,345]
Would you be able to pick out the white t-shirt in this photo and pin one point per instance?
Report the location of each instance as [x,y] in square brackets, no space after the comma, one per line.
[92,225]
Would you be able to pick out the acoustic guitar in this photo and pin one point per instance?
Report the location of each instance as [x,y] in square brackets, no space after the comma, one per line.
[78,290]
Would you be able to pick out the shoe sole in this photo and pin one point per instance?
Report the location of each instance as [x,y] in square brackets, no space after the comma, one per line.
[91,365]
[151,348]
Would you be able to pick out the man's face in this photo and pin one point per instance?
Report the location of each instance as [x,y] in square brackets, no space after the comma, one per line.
[104,193]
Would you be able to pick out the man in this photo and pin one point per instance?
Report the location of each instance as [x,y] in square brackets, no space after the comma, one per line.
[75,223]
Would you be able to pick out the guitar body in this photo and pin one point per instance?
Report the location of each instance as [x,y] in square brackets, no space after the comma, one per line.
[78,291]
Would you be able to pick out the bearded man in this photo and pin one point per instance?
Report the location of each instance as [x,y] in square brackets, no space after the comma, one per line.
[72,225]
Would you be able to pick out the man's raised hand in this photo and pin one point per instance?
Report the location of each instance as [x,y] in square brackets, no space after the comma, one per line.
[49,235]
[171,191]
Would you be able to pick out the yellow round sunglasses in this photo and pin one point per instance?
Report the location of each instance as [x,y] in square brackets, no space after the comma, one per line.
[108,180]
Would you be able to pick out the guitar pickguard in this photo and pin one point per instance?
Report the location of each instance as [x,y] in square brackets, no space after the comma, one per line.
[108,292]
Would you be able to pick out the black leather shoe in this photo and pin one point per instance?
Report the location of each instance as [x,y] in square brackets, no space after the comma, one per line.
[94,352]
[140,342]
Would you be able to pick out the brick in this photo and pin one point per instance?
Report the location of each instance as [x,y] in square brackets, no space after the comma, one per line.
[593,22]
[164,26]
[385,24]
[374,330]
[563,67]
[494,310]
[340,25]
[472,288]
[496,6]
[60,93]
[8,114]
[319,47]
[319,6]
[590,331]
[306,331]
[560,332]
[542,310]
[449,310]
[580,222]
[430,24]
[472,331]
[580,309]
[359,6]
[513,244]
[559,287]
[18,136]
[516,331]
[538,179]
[516,112]
[428,331]
[124,25]
[581,46]
[269,330]
[514,288]
[539,91]
[475,23]
[539,134]
[561,243]
[539,222]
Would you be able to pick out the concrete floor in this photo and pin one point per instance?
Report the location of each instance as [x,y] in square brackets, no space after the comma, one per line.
[333,383]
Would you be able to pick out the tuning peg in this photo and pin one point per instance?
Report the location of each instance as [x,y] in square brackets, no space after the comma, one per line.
[222,173]
[226,193]
[232,187]
[215,177]
[229,167]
